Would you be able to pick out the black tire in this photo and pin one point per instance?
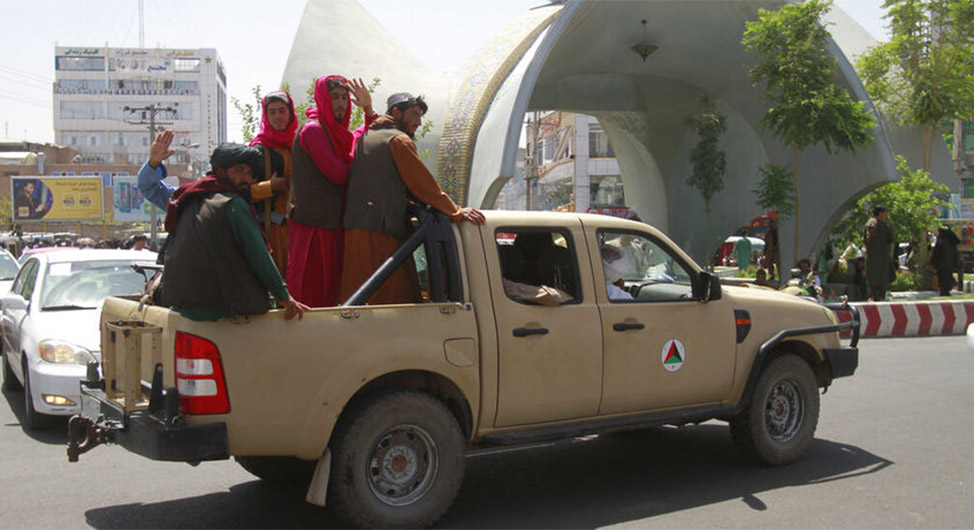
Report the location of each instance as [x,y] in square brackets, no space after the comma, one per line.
[780,421]
[10,382]
[278,469]
[33,420]
[420,446]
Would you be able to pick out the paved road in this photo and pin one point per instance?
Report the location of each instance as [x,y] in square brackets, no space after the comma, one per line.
[894,449]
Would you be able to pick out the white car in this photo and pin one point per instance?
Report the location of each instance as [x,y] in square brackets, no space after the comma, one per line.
[50,324]
[8,269]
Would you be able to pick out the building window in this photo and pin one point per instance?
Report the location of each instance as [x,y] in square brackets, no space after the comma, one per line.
[80,63]
[184,111]
[94,138]
[187,65]
[187,87]
[598,143]
[549,148]
[80,86]
[82,110]
[606,191]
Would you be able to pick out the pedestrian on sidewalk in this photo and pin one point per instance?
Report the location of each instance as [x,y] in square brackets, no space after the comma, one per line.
[880,270]
[945,259]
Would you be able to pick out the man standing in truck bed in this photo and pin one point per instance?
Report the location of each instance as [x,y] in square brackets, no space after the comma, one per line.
[217,262]
[386,174]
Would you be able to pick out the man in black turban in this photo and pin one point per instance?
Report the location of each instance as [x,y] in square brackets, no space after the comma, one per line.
[217,264]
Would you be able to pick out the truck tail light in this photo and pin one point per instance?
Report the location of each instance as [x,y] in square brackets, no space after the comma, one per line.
[199,376]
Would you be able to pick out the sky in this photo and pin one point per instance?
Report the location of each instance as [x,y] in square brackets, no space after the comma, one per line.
[253,38]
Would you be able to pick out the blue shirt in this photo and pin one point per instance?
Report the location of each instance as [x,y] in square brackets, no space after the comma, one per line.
[152,187]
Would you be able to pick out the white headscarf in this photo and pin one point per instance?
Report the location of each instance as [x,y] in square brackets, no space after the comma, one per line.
[615,263]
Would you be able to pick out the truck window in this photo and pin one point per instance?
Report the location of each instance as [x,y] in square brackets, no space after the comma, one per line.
[538,266]
[637,268]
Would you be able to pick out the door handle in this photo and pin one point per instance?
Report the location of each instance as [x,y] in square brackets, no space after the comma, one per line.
[524,332]
[626,326]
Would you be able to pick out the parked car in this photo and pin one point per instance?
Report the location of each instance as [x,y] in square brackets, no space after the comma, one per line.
[28,253]
[8,270]
[50,324]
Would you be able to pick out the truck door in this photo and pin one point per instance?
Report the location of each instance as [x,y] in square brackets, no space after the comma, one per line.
[663,348]
[548,333]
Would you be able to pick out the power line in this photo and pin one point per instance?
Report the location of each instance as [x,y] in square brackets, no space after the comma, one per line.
[26,97]
[25,73]
[26,101]
[25,82]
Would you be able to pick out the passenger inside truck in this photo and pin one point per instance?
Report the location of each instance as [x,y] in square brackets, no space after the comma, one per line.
[538,266]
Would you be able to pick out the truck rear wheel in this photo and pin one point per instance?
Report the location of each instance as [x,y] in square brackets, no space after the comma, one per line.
[397,461]
[278,468]
[780,421]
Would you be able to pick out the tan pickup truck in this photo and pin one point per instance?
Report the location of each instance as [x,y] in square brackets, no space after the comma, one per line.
[537,326]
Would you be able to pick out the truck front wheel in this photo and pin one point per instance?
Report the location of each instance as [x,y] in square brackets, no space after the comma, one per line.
[397,460]
[780,421]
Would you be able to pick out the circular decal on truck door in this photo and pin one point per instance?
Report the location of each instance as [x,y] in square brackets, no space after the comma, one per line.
[674,355]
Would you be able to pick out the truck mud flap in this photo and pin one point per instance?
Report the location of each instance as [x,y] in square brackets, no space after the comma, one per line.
[843,361]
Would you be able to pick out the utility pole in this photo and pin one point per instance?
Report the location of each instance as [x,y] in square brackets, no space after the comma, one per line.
[532,161]
[958,152]
[147,116]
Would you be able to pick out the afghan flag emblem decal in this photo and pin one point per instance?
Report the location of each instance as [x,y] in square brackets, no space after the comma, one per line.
[674,355]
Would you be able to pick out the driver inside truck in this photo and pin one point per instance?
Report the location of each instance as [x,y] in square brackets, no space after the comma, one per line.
[615,264]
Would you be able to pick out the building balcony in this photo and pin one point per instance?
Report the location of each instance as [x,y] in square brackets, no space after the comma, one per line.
[125,91]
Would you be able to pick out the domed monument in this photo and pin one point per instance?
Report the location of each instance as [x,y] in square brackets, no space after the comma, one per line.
[578,56]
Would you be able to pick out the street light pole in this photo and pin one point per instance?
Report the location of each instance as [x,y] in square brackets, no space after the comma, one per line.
[148,117]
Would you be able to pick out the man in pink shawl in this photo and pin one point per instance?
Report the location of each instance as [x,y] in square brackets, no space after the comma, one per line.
[321,158]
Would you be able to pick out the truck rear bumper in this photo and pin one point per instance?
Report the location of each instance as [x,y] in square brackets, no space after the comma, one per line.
[843,361]
[147,435]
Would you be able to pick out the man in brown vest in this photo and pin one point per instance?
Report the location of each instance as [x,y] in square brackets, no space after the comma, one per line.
[386,175]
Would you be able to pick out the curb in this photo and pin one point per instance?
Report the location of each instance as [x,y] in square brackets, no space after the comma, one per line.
[911,319]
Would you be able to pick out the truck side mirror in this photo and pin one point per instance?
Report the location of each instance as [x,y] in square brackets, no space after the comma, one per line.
[709,286]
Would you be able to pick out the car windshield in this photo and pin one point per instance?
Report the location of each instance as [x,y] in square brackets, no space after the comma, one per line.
[8,266]
[85,284]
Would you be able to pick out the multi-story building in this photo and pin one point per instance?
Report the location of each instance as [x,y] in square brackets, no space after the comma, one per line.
[103,97]
[575,167]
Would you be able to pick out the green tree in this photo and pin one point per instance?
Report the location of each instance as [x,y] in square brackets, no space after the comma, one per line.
[776,190]
[250,113]
[911,203]
[805,105]
[925,73]
[707,159]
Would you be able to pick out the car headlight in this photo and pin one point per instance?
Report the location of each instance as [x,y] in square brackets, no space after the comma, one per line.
[60,352]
